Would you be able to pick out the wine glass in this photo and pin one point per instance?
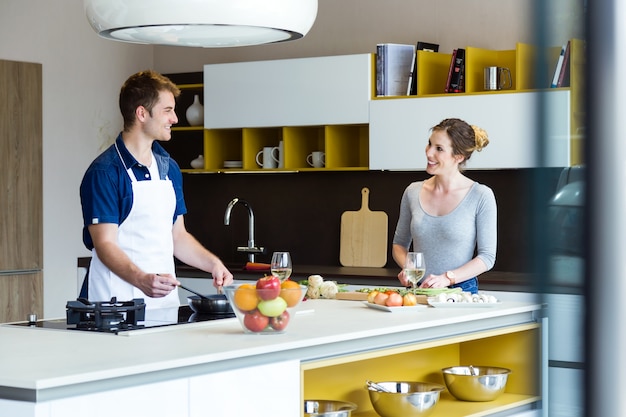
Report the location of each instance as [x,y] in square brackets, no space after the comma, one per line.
[414,268]
[281,265]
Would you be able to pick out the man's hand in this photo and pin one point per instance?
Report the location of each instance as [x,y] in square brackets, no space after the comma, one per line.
[221,275]
[157,285]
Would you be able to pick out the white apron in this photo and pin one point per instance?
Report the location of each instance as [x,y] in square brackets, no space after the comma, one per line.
[146,237]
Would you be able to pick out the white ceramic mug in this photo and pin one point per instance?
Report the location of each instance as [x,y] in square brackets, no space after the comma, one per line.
[497,78]
[267,157]
[316,159]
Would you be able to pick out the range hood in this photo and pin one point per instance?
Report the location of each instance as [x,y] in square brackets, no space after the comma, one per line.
[201,23]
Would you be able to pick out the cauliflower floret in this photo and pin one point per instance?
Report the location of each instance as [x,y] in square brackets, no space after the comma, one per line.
[328,289]
[313,292]
[315,280]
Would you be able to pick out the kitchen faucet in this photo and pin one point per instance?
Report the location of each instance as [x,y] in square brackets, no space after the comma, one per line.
[251,249]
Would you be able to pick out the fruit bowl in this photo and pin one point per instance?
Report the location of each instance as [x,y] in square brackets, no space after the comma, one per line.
[405,399]
[265,307]
[475,383]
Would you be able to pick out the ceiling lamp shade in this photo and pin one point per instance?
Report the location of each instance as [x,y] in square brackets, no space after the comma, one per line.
[201,23]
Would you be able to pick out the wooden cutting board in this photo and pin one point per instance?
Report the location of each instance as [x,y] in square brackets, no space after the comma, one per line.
[363,236]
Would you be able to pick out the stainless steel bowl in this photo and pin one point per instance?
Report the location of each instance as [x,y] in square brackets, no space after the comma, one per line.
[405,399]
[475,383]
[328,408]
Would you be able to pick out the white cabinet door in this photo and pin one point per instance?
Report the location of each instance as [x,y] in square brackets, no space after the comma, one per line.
[288,92]
[262,391]
[161,399]
[400,128]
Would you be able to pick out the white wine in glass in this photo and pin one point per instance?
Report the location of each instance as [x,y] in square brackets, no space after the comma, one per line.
[281,265]
[414,268]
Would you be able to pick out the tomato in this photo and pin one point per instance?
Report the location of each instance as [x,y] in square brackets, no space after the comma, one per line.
[245,297]
[280,323]
[393,300]
[291,292]
[409,299]
[371,296]
[381,298]
[255,321]
[268,287]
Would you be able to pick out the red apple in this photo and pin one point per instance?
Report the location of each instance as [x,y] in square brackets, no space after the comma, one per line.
[255,321]
[268,287]
[280,323]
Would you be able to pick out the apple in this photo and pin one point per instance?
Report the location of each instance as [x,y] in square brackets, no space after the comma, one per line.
[272,308]
[255,321]
[394,300]
[268,287]
[280,322]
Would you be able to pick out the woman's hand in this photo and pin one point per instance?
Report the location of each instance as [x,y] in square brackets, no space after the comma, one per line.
[435,281]
[403,280]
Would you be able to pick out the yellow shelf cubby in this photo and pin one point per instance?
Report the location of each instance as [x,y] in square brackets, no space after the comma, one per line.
[347,147]
[255,139]
[221,145]
[432,72]
[476,59]
[516,348]
[299,142]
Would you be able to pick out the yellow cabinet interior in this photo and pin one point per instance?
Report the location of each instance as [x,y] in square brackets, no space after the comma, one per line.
[515,347]
[345,146]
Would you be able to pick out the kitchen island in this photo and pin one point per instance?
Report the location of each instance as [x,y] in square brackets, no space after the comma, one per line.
[213,368]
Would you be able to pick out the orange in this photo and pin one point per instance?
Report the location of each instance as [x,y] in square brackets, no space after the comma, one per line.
[291,292]
[245,297]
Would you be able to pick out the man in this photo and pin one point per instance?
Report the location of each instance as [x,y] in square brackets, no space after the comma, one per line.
[133,205]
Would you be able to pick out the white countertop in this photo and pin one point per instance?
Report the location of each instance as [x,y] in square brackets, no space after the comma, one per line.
[40,364]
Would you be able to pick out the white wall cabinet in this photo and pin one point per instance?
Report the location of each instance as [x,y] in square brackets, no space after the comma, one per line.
[290,92]
[400,128]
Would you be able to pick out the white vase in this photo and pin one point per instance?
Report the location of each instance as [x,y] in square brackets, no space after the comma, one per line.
[198,162]
[195,112]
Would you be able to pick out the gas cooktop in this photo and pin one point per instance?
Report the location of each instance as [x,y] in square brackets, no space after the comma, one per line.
[115,317]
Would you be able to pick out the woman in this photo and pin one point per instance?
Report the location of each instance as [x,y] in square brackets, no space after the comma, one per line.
[450,218]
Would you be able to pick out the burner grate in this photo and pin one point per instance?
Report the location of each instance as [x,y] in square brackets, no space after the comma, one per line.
[106,315]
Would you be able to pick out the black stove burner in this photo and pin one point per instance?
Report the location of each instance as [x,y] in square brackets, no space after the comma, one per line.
[106,315]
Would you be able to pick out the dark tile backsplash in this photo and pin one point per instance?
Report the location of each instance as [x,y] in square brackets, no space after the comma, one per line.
[301,212]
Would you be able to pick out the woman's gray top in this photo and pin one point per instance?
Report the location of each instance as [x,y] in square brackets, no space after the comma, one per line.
[450,241]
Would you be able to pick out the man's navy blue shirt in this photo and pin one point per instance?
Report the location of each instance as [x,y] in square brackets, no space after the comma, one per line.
[106,192]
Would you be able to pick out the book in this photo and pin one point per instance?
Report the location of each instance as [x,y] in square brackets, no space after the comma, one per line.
[450,71]
[421,46]
[380,59]
[393,67]
[564,74]
[559,66]
[456,73]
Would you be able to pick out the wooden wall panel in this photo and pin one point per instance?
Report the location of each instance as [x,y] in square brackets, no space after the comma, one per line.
[21,190]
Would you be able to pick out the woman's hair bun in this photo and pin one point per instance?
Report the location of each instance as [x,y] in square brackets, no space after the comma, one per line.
[480,137]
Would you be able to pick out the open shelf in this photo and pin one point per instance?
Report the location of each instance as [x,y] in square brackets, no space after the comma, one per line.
[516,348]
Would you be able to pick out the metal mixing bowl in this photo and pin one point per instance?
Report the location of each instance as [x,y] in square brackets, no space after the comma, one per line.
[328,408]
[406,399]
[475,383]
